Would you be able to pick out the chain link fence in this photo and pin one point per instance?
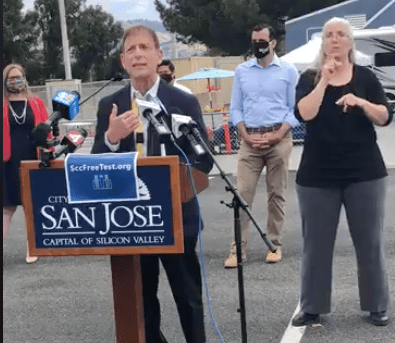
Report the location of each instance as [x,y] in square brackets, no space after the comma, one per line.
[224,137]
[222,134]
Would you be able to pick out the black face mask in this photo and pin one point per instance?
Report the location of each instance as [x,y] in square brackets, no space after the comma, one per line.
[260,49]
[167,77]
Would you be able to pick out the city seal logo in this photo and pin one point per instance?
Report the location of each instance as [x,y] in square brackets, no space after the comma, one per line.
[103,182]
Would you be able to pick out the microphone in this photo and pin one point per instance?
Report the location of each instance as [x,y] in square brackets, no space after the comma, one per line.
[149,110]
[65,105]
[39,135]
[183,125]
[71,142]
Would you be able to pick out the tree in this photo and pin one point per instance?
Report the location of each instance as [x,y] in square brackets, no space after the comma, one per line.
[20,33]
[226,24]
[94,39]
[51,36]
[221,24]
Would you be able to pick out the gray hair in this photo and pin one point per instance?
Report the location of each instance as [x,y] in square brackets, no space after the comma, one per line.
[320,59]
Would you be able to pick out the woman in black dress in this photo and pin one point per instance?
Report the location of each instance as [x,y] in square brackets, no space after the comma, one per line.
[21,113]
[341,165]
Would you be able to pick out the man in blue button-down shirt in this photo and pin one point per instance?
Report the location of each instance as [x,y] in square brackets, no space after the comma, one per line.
[263,99]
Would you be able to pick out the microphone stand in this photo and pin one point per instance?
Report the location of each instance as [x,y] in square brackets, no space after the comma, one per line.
[105,85]
[46,155]
[237,203]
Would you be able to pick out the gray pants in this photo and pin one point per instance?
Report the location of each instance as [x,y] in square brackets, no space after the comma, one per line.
[320,210]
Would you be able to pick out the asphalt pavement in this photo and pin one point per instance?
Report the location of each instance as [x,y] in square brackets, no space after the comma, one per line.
[69,299]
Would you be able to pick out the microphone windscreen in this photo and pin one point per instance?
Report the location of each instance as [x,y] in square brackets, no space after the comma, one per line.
[39,134]
[77,94]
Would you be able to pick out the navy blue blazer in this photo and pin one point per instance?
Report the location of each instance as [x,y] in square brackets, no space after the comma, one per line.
[170,97]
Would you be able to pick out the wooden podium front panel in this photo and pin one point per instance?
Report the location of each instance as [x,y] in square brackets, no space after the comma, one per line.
[34,212]
[200,180]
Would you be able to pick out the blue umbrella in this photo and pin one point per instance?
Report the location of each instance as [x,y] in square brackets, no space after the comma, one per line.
[208,73]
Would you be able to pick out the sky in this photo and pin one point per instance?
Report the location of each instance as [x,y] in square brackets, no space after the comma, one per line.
[120,9]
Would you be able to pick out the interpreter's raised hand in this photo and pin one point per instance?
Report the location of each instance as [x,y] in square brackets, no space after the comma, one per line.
[331,65]
[350,100]
[121,126]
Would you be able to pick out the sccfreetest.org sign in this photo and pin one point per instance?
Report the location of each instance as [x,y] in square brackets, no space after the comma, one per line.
[103,177]
[100,167]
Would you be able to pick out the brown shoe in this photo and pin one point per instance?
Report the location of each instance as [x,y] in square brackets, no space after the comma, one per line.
[274,257]
[231,260]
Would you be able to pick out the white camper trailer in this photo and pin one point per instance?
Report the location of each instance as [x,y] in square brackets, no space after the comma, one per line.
[380,45]
[375,49]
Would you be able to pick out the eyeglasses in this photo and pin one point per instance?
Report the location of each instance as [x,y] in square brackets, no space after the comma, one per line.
[16,79]
[339,34]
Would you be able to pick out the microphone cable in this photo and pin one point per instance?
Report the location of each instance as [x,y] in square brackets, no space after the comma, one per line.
[202,264]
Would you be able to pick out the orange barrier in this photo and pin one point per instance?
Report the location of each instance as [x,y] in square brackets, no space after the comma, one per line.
[226,131]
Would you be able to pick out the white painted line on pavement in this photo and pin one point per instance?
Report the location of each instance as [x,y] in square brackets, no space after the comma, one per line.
[293,334]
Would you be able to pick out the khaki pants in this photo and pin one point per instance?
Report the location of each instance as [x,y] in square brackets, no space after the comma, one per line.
[250,165]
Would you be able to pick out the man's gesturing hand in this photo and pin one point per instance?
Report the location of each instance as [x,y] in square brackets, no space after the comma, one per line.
[121,126]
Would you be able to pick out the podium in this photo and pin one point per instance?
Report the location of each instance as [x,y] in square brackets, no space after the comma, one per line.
[57,228]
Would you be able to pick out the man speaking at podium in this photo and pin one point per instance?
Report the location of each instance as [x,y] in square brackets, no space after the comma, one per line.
[118,125]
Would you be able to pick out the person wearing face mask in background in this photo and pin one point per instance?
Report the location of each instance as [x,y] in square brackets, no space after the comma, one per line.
[262,106]
[166,72]
[21,113]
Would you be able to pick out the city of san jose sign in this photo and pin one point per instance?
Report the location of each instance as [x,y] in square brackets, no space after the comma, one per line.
[58,227]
